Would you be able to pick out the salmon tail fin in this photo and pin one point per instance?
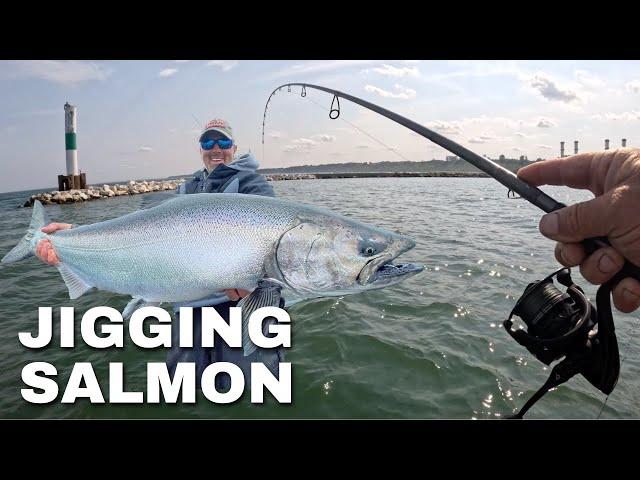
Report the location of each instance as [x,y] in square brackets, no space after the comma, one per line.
[27,244]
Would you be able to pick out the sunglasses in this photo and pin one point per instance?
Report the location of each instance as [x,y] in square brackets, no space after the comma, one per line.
[223,143]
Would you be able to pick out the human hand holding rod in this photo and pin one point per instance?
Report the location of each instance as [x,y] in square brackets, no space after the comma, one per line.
[613,176]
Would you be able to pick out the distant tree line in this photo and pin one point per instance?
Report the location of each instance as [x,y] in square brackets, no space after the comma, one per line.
[433,166]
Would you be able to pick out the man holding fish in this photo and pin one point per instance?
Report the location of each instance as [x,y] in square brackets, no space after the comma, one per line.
[223,172]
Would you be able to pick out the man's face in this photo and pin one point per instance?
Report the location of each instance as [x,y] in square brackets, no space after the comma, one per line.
[216,156]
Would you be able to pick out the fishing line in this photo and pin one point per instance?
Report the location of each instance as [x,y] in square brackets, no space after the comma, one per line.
[360,130]
[624,356]
[303,95]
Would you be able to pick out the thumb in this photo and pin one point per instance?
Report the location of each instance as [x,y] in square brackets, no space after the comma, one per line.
[579,221]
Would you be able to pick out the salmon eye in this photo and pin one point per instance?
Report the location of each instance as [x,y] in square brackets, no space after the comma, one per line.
[369,251]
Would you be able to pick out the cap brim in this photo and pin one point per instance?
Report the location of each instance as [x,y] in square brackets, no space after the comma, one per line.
[226,134]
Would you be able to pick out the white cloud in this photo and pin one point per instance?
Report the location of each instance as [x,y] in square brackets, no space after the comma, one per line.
[550,90]
[403,92]
[300,145]
[545,123]
[633,86]
[477,140]
[450,128]
[275,135]
[182,61]
[521,135]
[624,116]
[487,137]
[588,79]
[167,72]
[224,65]
[65,72]
[318,66]
[362,147]
[321,137]
[392,71]
[545,147]
[145,148]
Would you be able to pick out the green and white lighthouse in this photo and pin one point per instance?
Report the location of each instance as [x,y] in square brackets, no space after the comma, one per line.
[73,179]
[70,141]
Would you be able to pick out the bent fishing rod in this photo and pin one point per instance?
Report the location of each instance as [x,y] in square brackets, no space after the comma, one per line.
[506,177]
[563,327]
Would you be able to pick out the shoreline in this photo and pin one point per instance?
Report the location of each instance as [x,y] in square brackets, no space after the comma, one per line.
[147,186]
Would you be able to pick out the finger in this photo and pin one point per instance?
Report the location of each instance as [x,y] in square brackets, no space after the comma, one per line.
[579,221]
[52,227]
[626,295]
[601,265]
[575,171]
[52,258]
[55,226]
[232,294]
[570,254]
[39,250]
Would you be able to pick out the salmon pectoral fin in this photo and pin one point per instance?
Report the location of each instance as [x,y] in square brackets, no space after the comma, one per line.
[135,304]
[76,285]
[266,294]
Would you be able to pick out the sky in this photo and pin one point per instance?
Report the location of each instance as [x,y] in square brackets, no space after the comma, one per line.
[141,119]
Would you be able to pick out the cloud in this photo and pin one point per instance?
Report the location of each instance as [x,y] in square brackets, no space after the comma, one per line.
[167,72]
[487,137]
[392,71]
[318,67]
[64,72]
[545,123]
[517,149]
[588,79]
[362,147]
[521,135]
[624,116]
[403,92]
[182,61]
[451,128]
[224,65]
[546,87]
[633,86]
[145,148]
[477,140]
[324,138]
[275,135]
[545,147]
[300,145]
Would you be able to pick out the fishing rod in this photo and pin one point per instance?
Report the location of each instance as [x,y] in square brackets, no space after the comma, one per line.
[506,177]
[561,326]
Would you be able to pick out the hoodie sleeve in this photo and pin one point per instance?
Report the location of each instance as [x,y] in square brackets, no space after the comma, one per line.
[256,184]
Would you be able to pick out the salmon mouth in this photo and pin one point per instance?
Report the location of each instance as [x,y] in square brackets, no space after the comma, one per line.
[380,271]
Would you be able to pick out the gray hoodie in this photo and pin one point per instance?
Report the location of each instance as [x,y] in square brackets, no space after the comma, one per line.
[239,176]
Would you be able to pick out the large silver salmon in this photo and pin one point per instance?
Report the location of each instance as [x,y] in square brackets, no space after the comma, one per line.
[188,247]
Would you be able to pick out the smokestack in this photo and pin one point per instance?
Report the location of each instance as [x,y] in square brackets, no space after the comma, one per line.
[575,147]
[606,144]
[561,149]
[624,142]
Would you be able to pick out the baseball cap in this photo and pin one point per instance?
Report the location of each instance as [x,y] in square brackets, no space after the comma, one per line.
[218,125]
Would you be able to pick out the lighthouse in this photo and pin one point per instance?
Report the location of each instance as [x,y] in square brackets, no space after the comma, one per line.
[73,178]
